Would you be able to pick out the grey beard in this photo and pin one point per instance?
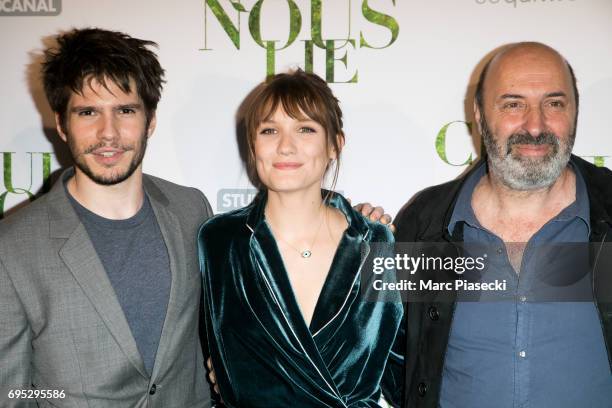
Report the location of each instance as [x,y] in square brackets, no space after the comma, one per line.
[521,173]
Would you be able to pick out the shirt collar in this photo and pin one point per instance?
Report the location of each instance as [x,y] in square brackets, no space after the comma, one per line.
[580,208]
[464,212]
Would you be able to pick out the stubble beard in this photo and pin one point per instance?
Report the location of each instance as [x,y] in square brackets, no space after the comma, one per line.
[115,177]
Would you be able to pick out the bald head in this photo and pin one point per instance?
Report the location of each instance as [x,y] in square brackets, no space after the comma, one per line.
[526,107]
[521,58]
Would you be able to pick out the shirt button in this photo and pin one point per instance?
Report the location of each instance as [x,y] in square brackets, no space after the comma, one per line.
[422,389]
[523,298]
[522,354]
[153,389]
[499,251]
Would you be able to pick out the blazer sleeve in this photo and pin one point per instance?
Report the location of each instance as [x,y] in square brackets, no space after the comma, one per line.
[15,340]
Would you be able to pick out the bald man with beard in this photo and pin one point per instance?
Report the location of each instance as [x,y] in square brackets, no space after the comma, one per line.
[527,191]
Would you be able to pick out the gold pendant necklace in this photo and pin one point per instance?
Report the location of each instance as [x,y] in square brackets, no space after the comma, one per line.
[305,253]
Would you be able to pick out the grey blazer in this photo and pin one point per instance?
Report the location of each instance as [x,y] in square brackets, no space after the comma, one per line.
[61,325]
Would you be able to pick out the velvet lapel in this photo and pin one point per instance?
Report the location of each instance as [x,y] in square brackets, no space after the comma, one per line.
[341,286]
[338,291]
[80,257]
[269,264]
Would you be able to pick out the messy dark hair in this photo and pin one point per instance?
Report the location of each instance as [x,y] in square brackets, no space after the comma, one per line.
[83,55]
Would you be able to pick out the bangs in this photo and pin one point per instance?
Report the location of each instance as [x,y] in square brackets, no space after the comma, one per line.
[122,80]
[301,96]
[295,100]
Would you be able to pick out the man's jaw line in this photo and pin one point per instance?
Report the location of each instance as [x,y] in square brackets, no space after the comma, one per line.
[119,200]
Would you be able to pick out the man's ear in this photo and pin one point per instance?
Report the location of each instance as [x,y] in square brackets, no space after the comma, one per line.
[477,116]
[59,127]
[152,124]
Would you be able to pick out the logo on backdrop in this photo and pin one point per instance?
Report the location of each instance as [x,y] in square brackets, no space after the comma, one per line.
[27,192]
[30,7]
[515,3]
[335,51]
[233,198]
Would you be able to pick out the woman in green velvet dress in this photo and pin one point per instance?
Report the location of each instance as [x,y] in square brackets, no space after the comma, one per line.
[286,321]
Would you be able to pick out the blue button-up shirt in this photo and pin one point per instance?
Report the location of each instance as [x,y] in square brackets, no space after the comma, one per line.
[523,352]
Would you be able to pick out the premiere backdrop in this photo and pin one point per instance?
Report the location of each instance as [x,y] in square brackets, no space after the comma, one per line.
[404,71]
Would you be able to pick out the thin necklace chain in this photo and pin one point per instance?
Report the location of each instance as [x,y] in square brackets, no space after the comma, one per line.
[306,253]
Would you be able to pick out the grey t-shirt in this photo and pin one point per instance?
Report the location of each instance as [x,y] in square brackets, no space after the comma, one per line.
[135,257]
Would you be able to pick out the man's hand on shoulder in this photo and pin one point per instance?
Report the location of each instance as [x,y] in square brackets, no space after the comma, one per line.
[375,214]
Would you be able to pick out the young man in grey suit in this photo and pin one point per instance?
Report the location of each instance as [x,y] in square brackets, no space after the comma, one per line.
[99,282]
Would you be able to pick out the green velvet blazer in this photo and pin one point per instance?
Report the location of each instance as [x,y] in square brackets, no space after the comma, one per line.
[263,353]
